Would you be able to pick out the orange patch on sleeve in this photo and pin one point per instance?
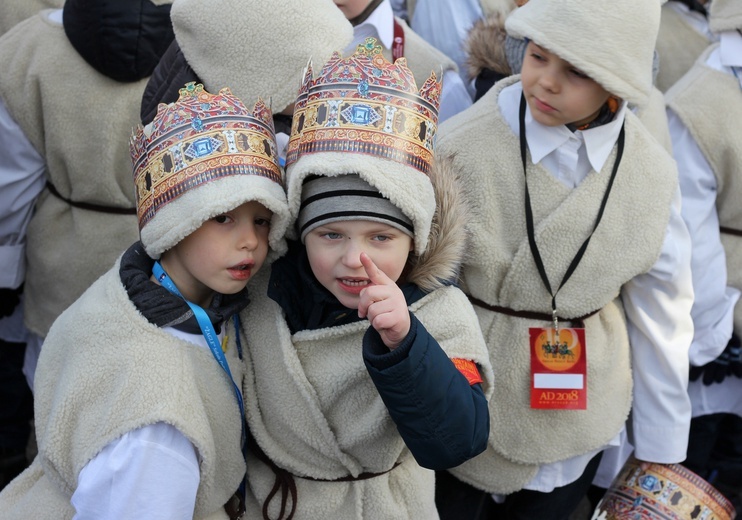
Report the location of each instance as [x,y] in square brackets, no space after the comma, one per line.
[469,369]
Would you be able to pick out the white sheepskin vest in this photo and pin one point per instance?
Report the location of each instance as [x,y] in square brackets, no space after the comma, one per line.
[15,11]
[500,270]
[315,412]
[654,118]
[80,122]
[709,120]
[678,45]
[104,370]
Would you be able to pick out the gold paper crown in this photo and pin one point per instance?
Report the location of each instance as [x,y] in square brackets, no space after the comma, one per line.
[365,104]
[199,139]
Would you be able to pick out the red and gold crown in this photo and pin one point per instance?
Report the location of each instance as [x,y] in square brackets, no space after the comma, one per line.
[199,139]
[365,104]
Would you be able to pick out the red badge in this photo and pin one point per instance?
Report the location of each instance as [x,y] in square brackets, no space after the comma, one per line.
[558,369]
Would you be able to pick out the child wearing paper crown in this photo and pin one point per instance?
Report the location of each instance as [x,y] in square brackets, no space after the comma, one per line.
[575,227]
[138,405]
[364,364]
[706,145]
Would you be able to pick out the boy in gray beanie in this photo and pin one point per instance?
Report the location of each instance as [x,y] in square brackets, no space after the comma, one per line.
[577,243]
[364,364]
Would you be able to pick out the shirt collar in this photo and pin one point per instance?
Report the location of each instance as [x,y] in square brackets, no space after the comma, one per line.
[543,140]
[731,49]
[382,21]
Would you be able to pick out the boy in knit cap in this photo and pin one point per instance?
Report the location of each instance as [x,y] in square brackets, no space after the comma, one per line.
[706,145]
[580,263]
[381,235]
[138,405]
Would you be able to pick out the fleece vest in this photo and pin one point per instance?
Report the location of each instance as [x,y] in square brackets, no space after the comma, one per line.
[315,412]
[500,271]
[80,123]
[105,370]
[422,58]
[654,118]
[678,46]
[15,11]
[709,120]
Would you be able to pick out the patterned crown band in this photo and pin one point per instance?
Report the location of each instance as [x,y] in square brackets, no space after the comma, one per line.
[365,104]
[198,139]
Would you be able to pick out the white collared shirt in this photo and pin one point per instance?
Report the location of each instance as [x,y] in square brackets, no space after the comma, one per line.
[152,472]
[569,156]
[22,178]
[657,303]
[380,25]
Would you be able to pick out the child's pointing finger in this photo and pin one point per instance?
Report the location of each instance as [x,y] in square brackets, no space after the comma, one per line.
[375,274]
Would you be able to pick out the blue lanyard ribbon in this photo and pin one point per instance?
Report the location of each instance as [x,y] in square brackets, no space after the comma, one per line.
[209,333]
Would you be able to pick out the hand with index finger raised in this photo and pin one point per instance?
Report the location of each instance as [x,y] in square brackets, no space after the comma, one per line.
[384,305]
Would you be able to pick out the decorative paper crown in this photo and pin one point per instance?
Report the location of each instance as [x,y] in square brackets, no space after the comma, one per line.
[199,139]
[365,104]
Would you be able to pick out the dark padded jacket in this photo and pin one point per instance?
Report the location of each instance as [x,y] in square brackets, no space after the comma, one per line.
[122,39]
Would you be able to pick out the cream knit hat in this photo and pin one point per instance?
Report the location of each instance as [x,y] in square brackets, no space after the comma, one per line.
[725,15]
[363,115]
[202,156]
[258,48]
[610,41]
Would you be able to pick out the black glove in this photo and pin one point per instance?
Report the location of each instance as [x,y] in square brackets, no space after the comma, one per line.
[9,299]
[721,367]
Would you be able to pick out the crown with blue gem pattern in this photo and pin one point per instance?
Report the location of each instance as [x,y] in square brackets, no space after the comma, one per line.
[365,104]
[200,138]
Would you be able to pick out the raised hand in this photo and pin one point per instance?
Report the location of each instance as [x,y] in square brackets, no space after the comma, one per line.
[384,305]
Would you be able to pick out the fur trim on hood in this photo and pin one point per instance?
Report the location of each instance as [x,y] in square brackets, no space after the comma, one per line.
[485,46]
[439,264]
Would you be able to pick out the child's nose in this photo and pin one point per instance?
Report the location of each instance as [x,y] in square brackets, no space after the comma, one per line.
[549,80]
[248,237]
[352,254]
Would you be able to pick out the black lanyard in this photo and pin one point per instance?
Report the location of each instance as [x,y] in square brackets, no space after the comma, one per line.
[529,212]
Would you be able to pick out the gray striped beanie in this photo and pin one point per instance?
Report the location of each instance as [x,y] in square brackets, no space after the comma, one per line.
[346,197]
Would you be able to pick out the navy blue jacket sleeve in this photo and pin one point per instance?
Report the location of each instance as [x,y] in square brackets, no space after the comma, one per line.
[443,420]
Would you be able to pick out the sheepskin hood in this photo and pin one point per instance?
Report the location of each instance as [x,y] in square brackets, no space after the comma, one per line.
[597,38]
[258,48]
